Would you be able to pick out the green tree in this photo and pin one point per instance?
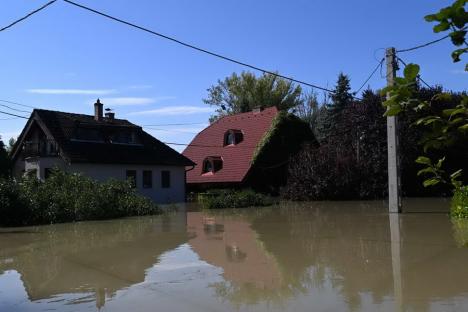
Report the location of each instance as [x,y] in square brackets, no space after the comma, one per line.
[11,144]
[342,96]
[4,161]
[241,93]
[308,109]
[330,112]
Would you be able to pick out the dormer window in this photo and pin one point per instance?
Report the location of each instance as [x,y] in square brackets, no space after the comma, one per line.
[212,164]
[233,137]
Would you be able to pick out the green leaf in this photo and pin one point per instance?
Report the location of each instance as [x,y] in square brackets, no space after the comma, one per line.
[423,160]
[456,174]
[426,170]
[430,18]
[430,182]
[393,110]
[458,37]
[440,162]
[463,128]
[411,71]
[442,26]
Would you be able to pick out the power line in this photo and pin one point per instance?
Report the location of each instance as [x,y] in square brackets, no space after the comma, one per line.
[197,48]
[418,76]
[423,45]
[28,15]
[12,108]
[16,103]
[370,76]
[10,114]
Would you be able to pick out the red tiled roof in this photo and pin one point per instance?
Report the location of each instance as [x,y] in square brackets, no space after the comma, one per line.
[236,158]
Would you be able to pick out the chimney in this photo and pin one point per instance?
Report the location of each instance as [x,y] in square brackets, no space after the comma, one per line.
[257,109]
[110,115]
[98,109]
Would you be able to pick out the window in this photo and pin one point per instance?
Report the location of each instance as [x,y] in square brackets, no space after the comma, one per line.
[207,166]
[165,179]
[147,179]
[233,137]
[131,177]
[212,164]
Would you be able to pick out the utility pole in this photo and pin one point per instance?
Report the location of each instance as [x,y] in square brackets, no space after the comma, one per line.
[394,186]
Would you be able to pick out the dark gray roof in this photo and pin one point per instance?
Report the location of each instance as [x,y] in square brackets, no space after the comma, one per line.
[65,126]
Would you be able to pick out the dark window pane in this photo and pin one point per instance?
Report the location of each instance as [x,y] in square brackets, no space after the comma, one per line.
[147,179]
[207,166]
[131,177]
[165,179]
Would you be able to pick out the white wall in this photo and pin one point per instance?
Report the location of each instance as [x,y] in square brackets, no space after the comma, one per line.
[102,172]
[174,194]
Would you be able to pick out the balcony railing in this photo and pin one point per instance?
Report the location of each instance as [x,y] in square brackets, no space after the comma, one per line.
[43,148]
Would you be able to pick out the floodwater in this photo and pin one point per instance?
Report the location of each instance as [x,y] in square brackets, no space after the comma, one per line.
[322,256]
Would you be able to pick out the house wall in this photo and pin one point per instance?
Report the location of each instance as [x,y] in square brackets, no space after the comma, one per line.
[174,194]
[103,172]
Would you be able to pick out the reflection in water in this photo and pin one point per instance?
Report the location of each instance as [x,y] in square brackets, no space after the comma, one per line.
[346,256]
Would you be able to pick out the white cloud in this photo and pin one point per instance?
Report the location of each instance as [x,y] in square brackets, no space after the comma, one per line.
[72,91]
[174,110]
[140,87]
[458,72]
[123,101]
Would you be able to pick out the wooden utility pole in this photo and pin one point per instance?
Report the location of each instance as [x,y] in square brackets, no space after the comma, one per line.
[394,186]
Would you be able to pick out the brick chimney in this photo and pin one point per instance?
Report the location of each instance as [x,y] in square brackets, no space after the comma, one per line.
[98,110]
[110,115]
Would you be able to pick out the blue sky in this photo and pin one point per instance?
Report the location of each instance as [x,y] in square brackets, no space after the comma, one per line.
[63,58]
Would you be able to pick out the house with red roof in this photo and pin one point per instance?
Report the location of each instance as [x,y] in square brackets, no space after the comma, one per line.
[246,150]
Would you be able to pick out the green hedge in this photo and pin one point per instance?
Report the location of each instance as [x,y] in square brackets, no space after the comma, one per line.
[459,207]
[66,197]
[220,199]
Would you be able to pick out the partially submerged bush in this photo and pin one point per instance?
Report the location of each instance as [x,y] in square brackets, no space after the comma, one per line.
[220,199]
[460,228]
[66,197]
[459,207]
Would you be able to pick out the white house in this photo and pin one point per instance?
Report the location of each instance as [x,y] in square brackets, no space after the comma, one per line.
[101,147]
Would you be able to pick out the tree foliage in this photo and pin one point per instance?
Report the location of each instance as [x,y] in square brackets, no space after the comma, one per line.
[446,127]
[241,93]
[5,164]
[351,163]
[331,110]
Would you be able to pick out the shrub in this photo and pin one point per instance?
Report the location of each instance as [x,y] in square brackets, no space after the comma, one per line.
[13,207]
[459,206]
[220,199]
[66,197]
[460,228]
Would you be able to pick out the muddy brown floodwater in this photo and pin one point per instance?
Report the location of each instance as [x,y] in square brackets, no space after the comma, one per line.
[315,256]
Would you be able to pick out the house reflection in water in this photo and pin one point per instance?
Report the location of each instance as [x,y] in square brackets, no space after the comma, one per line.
[231,244]
[94,259]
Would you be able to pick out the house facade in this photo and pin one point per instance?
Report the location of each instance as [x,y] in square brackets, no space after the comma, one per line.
[246,150]
[103,148]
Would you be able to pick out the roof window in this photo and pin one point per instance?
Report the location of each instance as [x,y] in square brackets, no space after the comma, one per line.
[212,164]
[233,137]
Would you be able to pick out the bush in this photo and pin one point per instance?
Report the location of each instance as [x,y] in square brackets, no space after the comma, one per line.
[66,197]
[459,206]
[220,199]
